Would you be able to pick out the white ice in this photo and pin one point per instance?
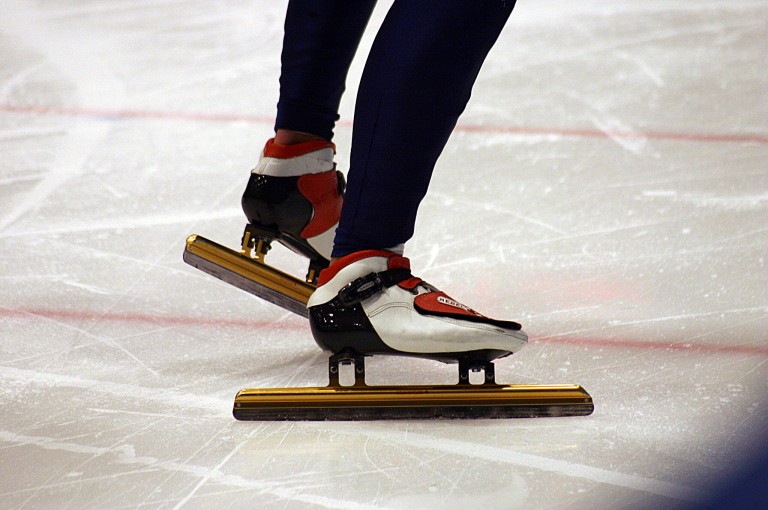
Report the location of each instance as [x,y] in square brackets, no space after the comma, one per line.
[607,186]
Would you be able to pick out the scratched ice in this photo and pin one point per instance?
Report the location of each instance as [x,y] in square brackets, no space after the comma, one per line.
[606,186]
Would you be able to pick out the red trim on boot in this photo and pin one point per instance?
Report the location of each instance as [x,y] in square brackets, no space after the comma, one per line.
[398,262]
[410,283]
[441,305]
[327,274]
[322,191]
[274,150]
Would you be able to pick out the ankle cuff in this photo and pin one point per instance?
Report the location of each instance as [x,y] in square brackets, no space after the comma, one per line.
[311,157]
[276,150]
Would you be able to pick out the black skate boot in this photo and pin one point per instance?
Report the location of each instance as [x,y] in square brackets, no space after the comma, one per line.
[294,196]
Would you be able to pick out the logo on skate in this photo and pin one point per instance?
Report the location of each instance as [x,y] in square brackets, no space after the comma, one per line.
[450,302]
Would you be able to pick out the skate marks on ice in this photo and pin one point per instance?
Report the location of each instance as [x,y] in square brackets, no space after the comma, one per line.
[89,464]
[540,463]
[674,134]
[298,487]
[171,408]
[76,63]
[170,397]
[124,455]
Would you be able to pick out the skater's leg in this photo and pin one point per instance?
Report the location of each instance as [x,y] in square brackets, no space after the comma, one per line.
[295,194]
[417,81]
[321,37]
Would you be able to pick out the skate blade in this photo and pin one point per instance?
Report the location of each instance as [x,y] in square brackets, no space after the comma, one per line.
[463,401]
[248,274]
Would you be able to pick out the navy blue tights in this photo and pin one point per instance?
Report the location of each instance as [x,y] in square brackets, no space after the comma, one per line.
[417,80]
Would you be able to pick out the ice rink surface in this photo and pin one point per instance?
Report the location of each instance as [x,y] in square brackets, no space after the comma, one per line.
[607,187]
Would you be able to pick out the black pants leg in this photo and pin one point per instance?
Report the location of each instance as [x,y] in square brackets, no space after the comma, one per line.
[417,81]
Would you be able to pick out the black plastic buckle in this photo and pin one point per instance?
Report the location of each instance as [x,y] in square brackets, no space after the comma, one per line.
[369,285]
[359,290]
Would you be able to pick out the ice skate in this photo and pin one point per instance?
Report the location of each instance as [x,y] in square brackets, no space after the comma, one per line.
[294,196]
[369,303]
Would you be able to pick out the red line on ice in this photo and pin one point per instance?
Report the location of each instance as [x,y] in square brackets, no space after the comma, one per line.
[466,128]
[171,320]
[134,114]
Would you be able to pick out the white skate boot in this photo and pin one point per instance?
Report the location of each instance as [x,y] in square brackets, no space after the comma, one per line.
[369,303]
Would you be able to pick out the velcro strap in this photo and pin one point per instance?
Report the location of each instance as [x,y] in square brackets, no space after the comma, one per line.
[370,285]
